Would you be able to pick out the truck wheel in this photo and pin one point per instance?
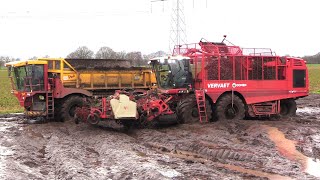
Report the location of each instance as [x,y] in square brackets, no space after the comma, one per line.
[69,106]
[225,110]
[187,110]
[288,107]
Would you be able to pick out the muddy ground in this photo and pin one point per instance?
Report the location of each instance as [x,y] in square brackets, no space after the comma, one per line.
[246,149]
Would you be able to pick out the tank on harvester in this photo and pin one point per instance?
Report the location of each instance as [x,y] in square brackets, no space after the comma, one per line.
[231,82]
[54,87]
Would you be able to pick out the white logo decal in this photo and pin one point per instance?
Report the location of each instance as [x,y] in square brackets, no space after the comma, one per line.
[225,85]
[234,85]
[218,85]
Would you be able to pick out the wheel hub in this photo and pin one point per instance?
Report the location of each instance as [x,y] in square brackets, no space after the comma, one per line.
[194,112]
[231,111]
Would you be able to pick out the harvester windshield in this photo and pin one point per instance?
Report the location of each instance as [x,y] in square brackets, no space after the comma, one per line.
[172,73]
[29,77]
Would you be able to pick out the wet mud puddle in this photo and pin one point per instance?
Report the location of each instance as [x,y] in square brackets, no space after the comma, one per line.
[288,149]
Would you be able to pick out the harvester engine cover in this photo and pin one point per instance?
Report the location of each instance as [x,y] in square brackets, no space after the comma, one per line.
[124,107]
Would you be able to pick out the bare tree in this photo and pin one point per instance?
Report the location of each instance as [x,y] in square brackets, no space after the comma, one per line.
[106,53]
[121,55]
[315,59]
[136,58]
[6,59]
[82,52]
[33,58]
[155,54]
[1,64]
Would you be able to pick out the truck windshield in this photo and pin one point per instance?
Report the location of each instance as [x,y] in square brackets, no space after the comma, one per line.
[173,73]
[28,78]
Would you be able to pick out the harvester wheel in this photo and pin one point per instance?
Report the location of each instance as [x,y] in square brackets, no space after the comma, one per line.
[187,110]
[227,111]
[288,108]
[68,107]
[93,118]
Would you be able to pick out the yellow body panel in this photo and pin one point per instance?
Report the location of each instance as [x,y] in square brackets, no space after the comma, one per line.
[100,79]
[91,79]
[24,63]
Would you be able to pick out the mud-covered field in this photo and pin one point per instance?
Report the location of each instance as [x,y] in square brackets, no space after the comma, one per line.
[246,149]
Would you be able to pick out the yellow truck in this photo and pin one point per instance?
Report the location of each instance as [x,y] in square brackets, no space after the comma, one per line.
[54,87]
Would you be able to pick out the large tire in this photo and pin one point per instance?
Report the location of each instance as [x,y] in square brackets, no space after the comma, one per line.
[288,108]
[187,110]
[68,107]
[226,111]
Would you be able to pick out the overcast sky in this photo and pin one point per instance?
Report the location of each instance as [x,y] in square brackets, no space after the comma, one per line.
[58,27]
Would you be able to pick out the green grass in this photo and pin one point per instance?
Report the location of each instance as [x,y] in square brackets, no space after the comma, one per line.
[314,77]
[8,102]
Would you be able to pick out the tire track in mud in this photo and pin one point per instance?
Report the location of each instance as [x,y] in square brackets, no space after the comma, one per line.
[234,151]
[99,154]
[53,151]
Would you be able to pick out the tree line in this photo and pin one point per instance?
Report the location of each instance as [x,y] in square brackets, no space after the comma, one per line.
[83,52]
[315,59]
[6,59]
[137,58]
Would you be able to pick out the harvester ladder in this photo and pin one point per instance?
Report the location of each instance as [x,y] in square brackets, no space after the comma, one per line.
[50,105]
[201,102]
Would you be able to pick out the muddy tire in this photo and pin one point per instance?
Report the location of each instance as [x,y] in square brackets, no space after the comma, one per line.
[288,108]
[226,111]
[68,107]
[187,110]
[57,110]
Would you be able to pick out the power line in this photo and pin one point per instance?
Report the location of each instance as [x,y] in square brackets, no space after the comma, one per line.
[177,23]
[178,33]
[158,1]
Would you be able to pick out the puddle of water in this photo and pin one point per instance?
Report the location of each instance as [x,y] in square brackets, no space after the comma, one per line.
[9,118]
[170,173]
[316,138]
[308,110]
[287,148]
[164,171]
[313,167]
[3,128]
[2,168]
[4,151]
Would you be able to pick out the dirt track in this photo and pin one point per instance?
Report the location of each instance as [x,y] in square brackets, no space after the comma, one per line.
[247,149]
